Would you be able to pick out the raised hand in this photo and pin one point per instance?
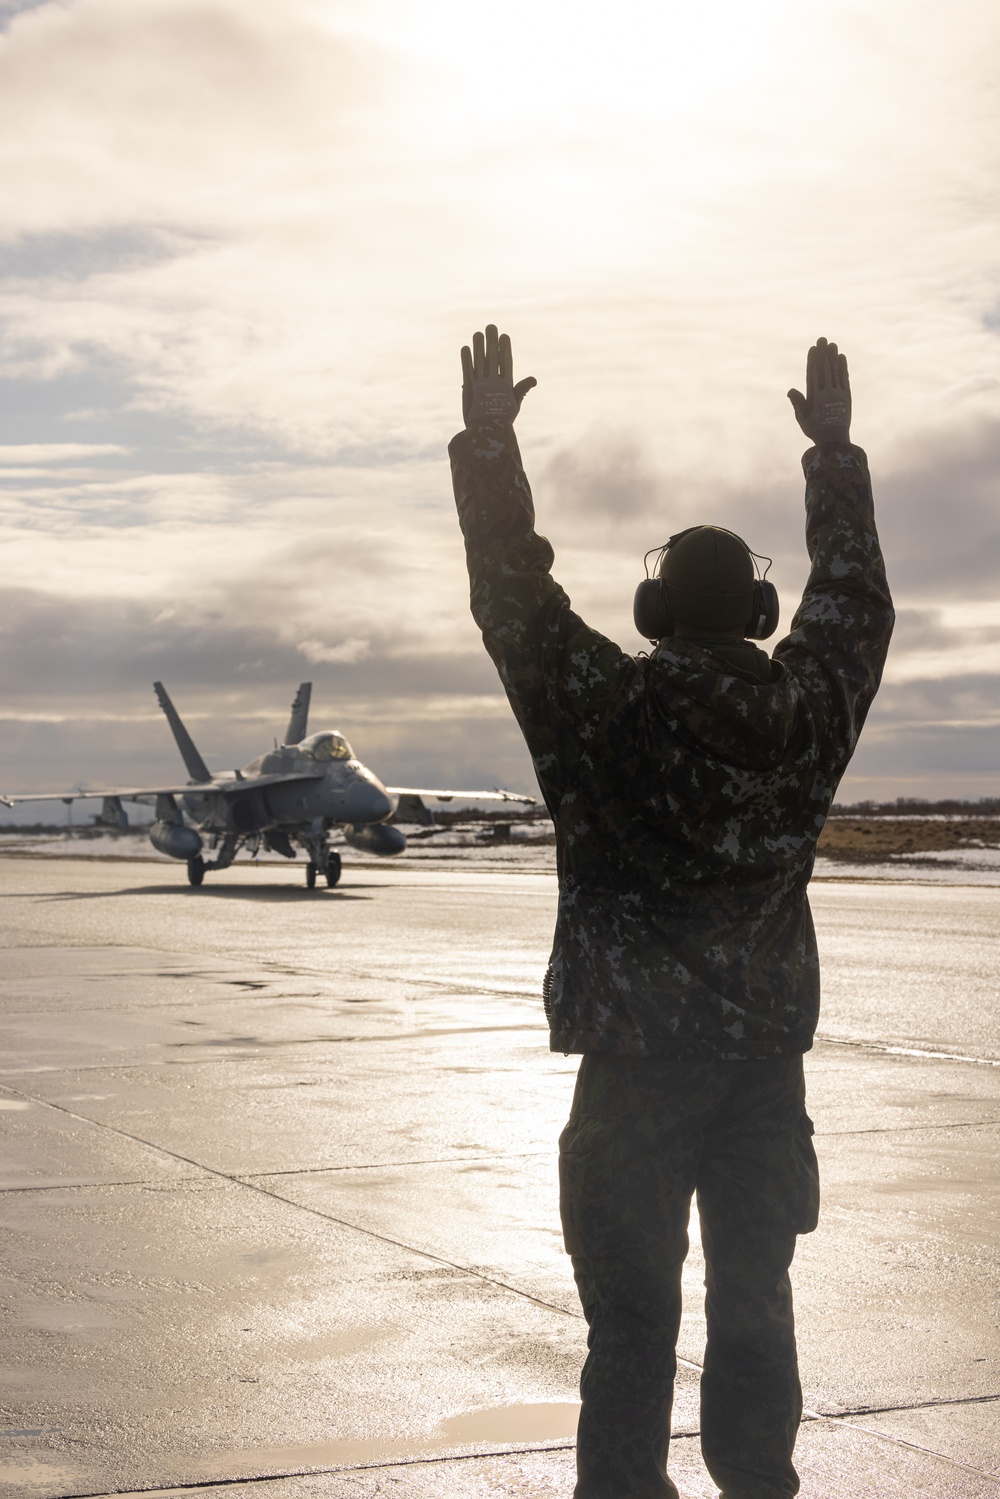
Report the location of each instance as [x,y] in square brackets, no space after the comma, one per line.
[488,389]
[824,412]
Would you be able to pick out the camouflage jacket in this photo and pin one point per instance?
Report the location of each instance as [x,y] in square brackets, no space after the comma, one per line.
[687,794]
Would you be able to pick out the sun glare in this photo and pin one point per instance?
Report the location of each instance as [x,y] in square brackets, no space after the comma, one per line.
[601,129]
[569,63]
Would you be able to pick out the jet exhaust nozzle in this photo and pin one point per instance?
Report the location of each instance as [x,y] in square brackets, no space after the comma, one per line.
[174,839]
[376,838]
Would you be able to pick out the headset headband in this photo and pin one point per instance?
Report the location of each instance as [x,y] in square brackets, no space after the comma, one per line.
[661,551]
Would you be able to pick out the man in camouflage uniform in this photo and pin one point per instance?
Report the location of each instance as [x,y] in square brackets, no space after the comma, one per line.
[688,791]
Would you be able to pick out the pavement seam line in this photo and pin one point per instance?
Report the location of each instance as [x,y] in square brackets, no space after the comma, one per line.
[250,1186]
[451,1160]
[914,1052]
[821,1134]
[91,1186]
[912,1405]
[883,1436]
[905,1129]
[399,1462]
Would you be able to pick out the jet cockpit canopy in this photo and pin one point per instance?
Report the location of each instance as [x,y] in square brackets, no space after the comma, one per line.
[326,746]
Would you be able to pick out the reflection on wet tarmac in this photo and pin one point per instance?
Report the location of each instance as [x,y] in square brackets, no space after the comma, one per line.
[281,1195]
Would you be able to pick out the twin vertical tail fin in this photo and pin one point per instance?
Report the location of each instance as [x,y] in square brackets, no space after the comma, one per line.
[196,767]
[298,724]
[298,727]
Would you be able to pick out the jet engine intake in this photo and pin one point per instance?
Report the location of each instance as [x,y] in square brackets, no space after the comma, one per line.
[176,840]
[248,813]
[375,838]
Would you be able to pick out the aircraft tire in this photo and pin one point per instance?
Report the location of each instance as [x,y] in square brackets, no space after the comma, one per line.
[196,870]
[310,875]
[334,866]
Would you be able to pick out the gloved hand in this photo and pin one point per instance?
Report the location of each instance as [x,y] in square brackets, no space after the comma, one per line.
[824,412]
[488,389]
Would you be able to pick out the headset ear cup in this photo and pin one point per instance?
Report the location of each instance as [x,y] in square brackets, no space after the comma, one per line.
[651,610]
[765,612]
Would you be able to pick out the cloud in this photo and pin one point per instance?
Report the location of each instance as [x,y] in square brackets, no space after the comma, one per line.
[11,8]
[107,98]
[606,476]
[940,508]
[932,738]
[241,246]
[966,699]
[76,656]
[349,650]
[260,212]
[56,452]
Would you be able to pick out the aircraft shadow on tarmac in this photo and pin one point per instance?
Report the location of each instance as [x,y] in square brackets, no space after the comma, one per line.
[284,893]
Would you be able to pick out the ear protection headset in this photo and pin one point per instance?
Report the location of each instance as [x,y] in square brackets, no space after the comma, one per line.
[651,606]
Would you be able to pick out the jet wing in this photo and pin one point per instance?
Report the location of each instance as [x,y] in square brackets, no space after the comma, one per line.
[480,796]
[123,794]
[190,788]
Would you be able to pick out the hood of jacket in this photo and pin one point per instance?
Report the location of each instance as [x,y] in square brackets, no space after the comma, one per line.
[726,697]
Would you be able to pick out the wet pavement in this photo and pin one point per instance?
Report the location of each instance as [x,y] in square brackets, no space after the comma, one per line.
[278,1190]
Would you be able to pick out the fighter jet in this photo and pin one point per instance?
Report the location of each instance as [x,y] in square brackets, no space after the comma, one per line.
[291,795]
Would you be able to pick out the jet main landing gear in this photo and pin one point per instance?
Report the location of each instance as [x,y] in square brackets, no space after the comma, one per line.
[332,868]
[196,870]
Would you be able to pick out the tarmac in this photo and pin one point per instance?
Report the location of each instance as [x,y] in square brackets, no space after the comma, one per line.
[279,1198]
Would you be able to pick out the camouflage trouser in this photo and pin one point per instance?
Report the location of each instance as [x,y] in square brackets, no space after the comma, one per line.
[642,1137]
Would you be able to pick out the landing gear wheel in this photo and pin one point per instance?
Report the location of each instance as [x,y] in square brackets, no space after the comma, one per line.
[196,870]
[333,868]
[310,875]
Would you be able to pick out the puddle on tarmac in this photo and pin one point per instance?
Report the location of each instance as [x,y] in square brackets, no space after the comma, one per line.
[27,1474]
[502,1425]
[514,1423]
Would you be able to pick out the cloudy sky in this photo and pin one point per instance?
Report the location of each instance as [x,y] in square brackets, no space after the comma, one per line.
[241,244]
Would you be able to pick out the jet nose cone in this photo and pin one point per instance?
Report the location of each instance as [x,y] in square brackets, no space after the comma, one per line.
[366,802]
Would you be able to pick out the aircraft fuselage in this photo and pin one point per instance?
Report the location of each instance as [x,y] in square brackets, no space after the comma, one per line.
[342,791]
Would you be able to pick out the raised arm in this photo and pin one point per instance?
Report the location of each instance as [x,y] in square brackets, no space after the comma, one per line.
[560,676]
[840,634]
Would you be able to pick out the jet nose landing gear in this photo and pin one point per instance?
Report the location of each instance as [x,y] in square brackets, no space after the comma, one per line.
[322,860]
